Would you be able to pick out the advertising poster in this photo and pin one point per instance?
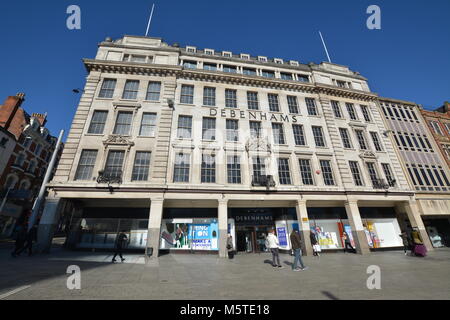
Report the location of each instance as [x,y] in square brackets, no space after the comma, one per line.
[348,231]
[281,233]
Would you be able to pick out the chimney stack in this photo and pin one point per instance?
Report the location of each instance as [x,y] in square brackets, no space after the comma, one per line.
[9,108]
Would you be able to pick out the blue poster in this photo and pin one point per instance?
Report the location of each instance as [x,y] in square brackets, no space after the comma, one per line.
[204,236]
[281,232]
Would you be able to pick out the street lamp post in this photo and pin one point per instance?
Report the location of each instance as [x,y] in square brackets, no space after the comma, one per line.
[38,201]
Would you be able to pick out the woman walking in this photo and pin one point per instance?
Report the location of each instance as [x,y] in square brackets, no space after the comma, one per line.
[273,244]
[314,243]
[230,247]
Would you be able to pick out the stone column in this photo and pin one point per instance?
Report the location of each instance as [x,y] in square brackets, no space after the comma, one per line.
[305,230]
[359,236]
[416,221]
[154,227]
[223,227]
[48,223]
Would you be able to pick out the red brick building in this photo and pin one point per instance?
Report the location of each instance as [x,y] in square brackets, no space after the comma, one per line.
[26,163]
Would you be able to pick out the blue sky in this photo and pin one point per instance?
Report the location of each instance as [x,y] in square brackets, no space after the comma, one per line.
[409,58]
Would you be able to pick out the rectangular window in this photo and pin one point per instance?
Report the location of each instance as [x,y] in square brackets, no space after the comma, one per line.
[233,169]
[283,171]
[340,84]
[311,106]
[372,173]
[361,139]
[131,89]
[123,123]
[351,111]
[377,142]
[210,66]
[286,76]
[249,72]
[365,112]
[107,89]
[184,127]
[436,127]
[299,135]
[230,69]
[190,64]
[209,129]
[388,173]
[327,172]
[230,98]
[209,96]
[252,100]
[273,102]
[232,127]
[292,104]
[208,173]
[318,136]
[268,74]
[303,78]
[259,168]
[187,94]
[278,134]
[181,167]
[148,125]
[336,109]
[86,165]
[98,122]
[345,138]
[255,129]
[153,91]
[354,168]
[306,172]
[141,166]
[114,164]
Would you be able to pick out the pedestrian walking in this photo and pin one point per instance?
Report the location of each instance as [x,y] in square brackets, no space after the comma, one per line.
[273,245]
[418,247]
[21,236]
[296,242]
[405,240]
[121,242]
[347,243]
[30,238]
[314,243]
[230,246]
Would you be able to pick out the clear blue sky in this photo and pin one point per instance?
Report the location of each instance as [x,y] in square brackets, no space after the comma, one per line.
[409,58]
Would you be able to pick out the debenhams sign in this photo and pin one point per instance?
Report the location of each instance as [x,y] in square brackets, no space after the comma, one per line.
[252,115]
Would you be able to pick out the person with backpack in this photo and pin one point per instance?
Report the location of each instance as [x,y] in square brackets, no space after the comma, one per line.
[121,242]
[273,246]
[296,242]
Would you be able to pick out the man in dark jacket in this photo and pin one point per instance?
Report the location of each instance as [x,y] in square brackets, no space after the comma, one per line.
[296,242]
[121,242]
[21,236]
[31,236]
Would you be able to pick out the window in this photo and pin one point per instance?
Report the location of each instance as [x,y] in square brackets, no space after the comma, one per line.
[252,100]
[259,168]
[230,69]
[208,173]
[226,54]
[245,56]
[190,64]
[336,109]
[98,122]
[345,138]
[181,168]
[436,127]
[327,172]
[447,126]
[86,165]
[4,142]
[377,143]
[303,78]
[131,89]
[148,125]
[209,129]
[141,166]
[191,49]
[268,74]
[26,142]
[107,89]
[318,136]
[292,104]
[286,76]
[262,59]
[365,112]
[283,171]
[187,94]
[278,61]
[306,172]
[311,106]
[444,176]
[210,66]
[354,168]
[114,163]
[209,52]
[361,139]
[123,123]
[153,91]
[255,129]
[388,173]
[32,166]
[249,72]
[233,169]
[134,58]
[230,98]
[340,84]
[278,134]
[351,111]
[293,63]
[184,127]
[273,102]
[232,127]
[209,96]
[299,135]
[38,149]
[372,173]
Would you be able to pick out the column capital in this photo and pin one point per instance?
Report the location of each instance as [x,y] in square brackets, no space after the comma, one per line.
[351,201]
[300,202]
[222,201]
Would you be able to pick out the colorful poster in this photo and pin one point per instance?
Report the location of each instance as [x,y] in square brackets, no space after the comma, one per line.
[348,231]
[281,233]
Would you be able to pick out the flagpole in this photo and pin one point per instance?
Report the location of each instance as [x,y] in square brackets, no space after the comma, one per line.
[325,46]
[149,21]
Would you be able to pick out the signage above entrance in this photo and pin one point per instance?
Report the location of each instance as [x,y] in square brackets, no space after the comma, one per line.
[255,219]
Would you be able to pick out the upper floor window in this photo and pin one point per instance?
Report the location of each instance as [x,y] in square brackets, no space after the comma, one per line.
[311,106]
[230,98]
[184,127]
[86,165]
[209,129]
[107,89]
[38,149]
[114,163]
[278,61]
[436,127]
[210,66]
[284,173]
[131,89]
[273,102]
[365,112]
[340,84]
[227,54]
[245,56]
[209,52]
[153,91]
[268,74]
[141,166]
[187,94]
[262,59]
[351,111]
[148,125]
[136,58]
[26,142]
[232,127]
[327,172]
[209,96]
[299,135]
[252,100]
[318,136]
[255,129]
[388,173]
[231,69]
[354,168]
[306,171]
[191,49]
[303,78]
[190,64]
[208,170]
[372,173]
[345,138]
[377,142]
[286,76]
[123,123]
[181,167]
[249,71]
[234,169]
[361,139]
[98,122]
[278,134]
[336,109]
[292,104]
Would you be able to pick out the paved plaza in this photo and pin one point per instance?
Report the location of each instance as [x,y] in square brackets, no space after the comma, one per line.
[249,276]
